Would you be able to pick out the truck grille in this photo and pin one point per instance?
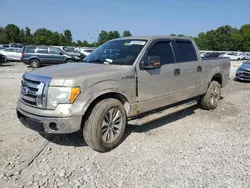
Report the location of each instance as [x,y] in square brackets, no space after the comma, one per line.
[34,90]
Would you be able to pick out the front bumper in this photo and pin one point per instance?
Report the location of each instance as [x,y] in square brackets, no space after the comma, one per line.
[51,125]
[243,76]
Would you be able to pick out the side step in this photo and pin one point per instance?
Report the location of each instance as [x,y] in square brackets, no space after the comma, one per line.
[160,114]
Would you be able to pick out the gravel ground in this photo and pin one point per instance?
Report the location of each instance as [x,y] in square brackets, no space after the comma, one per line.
[192,148]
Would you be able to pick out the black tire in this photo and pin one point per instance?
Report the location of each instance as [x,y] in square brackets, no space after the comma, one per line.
[69,61]
[211,99]
[94,131]
[35,63]
[4,59]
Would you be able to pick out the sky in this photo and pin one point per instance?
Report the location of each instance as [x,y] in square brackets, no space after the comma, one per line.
[86,19]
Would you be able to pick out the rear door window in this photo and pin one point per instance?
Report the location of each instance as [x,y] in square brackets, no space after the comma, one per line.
[184,51]
[164,50]
[42,50]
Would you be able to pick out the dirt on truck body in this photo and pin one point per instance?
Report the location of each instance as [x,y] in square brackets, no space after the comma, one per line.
[98,96]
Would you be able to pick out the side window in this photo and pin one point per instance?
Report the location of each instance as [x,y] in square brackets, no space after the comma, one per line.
[54,51]
[42,50]
[18,50]
[10,50]
[164,50]
[184,51]
[31,50]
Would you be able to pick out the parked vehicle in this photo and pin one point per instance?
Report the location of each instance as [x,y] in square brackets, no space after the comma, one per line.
[243,72]
[86,52]
[12,54]
[232,56]
[244,56]
[36,56]
[100,95]
[69,51]
[213,54]
[2,58]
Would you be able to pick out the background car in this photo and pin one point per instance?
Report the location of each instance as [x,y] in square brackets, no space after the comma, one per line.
[69,51]
[213,54]
[2,58]
[86,52]
[36,56]
[12,54]
[232,56]
[243,72]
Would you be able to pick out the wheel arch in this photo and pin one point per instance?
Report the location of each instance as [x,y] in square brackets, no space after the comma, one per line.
[217,77]
[111,94]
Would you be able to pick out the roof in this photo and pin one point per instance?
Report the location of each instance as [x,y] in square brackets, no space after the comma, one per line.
[152,37]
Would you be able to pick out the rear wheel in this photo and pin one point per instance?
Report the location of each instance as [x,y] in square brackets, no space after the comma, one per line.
[34,63]
[104,128]
[211,99]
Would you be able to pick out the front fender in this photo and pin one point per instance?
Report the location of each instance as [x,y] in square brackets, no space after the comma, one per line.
[126,89]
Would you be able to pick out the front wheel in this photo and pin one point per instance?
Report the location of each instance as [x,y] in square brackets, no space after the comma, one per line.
[211,99]
[105,126]
[69,61]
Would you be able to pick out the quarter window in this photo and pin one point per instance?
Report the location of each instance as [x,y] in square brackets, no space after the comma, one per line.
[164,50]
[31,50]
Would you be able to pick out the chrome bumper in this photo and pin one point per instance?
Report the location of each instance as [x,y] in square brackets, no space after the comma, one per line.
[51,125]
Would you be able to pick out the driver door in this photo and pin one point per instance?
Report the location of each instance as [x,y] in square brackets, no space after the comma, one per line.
[56,56]
[160,86]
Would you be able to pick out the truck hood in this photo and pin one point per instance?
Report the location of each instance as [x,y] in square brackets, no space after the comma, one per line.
[60,73]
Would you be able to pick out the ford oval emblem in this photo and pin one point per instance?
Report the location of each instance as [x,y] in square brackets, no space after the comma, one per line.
[25,90]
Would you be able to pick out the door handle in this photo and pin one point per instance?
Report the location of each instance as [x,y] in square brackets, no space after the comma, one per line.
[199,68]
[177,72]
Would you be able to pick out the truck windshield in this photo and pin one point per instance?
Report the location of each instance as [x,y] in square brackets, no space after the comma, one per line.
[118,52]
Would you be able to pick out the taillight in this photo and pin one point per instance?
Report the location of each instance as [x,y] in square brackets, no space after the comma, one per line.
[22,54]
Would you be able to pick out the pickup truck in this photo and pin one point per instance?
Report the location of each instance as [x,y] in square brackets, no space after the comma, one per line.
[137,77]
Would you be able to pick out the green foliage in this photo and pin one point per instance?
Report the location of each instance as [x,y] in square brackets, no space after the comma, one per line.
[223,38]
[126,33]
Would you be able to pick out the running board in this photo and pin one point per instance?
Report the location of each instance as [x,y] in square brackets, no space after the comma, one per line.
[160,114]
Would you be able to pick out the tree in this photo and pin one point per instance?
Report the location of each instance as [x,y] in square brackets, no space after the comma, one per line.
[245,34]
[126,33]
[113,35]
[68,36]
[103,37]
[22,36]
[3,38]
[28,36]
[12,33]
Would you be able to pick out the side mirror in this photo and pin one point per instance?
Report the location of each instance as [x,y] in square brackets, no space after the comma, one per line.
[61,53]
[151,62]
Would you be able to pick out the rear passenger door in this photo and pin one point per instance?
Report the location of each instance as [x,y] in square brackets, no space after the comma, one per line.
[159,87]
[191,68]
[43,54]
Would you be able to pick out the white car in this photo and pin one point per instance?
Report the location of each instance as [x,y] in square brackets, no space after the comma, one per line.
[232,56]
[12,54]
[244,55]
[86,52]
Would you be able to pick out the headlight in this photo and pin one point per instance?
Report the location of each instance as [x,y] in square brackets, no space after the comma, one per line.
[240,69]
[61,95]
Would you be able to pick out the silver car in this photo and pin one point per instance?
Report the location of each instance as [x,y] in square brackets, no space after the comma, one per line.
[243,72]
[12,54]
